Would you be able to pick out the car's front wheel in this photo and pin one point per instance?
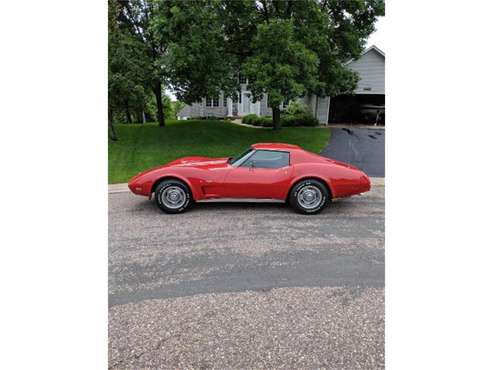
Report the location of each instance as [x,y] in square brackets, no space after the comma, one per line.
[309,196]
[173,196]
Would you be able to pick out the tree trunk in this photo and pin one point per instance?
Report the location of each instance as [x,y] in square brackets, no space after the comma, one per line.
[127,113]
[276,118]
[111,128]
[138,114]
[159,103]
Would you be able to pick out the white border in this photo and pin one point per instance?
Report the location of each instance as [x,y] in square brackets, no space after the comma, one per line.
[53,193]
[54,185]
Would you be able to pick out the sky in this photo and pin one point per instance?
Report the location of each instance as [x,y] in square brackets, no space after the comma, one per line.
[376,38]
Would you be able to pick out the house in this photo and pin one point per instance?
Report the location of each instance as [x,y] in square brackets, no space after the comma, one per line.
[369,96]
[368,99]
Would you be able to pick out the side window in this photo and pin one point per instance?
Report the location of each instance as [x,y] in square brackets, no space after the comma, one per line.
[267,159]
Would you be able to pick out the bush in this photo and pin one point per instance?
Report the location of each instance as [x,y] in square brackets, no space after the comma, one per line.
[254,120]
[249,118]
[296,107]
[287,120]
[303,119]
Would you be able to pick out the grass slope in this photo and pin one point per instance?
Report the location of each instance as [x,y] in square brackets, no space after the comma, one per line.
[143,146]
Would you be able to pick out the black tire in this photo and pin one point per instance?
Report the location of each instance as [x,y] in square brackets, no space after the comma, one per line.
[178,188]
[322,196]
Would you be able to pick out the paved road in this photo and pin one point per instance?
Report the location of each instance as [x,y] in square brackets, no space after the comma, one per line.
[235,286]
[362,147]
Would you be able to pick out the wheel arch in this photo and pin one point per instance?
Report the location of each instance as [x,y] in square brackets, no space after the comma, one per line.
[172,177]
[308,177]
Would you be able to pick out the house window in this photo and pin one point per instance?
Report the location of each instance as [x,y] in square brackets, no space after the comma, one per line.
[225,101]
[242,79]
[212,102]
[239,97]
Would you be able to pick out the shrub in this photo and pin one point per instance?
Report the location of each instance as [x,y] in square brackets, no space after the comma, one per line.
[264,121]
[249,118]
[296,107]
[254,120]
[287,120]
[303,119]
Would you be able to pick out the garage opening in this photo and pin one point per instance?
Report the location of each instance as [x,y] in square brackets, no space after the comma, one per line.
[360,108]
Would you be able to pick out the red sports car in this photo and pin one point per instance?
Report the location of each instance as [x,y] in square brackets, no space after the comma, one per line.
[284,172]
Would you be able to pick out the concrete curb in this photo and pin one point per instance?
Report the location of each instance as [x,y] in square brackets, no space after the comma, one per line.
[118,188]
[123,188]
[373,127]
[377,181]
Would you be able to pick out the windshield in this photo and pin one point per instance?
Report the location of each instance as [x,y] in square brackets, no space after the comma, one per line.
[239,158]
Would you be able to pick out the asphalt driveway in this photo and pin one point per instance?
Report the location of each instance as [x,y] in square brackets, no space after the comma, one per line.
[361,147]
[246,285]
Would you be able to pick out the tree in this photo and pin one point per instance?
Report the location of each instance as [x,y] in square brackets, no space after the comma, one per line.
[128,86]
[138,16]
[285,48]
[197,60]
[281,66]
[125,68]
[300,47]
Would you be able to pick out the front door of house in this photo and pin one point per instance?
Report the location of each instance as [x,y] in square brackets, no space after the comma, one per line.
[247,106]
[246,102]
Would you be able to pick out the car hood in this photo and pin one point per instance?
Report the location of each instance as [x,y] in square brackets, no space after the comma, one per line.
[197,161]
[202,162]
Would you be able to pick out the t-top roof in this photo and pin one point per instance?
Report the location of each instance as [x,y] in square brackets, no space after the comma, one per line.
[275,146]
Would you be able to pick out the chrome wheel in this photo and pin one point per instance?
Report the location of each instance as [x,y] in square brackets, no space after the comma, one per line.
[309,197]
[173,197]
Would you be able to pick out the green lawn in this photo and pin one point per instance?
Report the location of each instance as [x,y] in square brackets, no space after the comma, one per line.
[141,146]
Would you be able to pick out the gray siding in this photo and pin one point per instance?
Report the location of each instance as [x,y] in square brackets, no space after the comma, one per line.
[322,108]
[371,70]
[186,111]
[319,106]
[264,109]
[196,110]
[199,109]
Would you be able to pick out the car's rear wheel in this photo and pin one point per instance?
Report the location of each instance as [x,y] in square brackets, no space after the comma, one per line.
[309,196]
[173,196]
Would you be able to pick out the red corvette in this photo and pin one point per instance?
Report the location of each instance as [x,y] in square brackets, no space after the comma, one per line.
[281,172]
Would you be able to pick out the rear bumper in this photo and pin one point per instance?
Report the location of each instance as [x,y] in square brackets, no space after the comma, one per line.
[348,187]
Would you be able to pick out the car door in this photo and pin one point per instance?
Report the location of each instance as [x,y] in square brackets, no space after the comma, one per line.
[265,174]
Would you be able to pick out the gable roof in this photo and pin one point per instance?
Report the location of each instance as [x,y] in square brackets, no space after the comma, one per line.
[373,47]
